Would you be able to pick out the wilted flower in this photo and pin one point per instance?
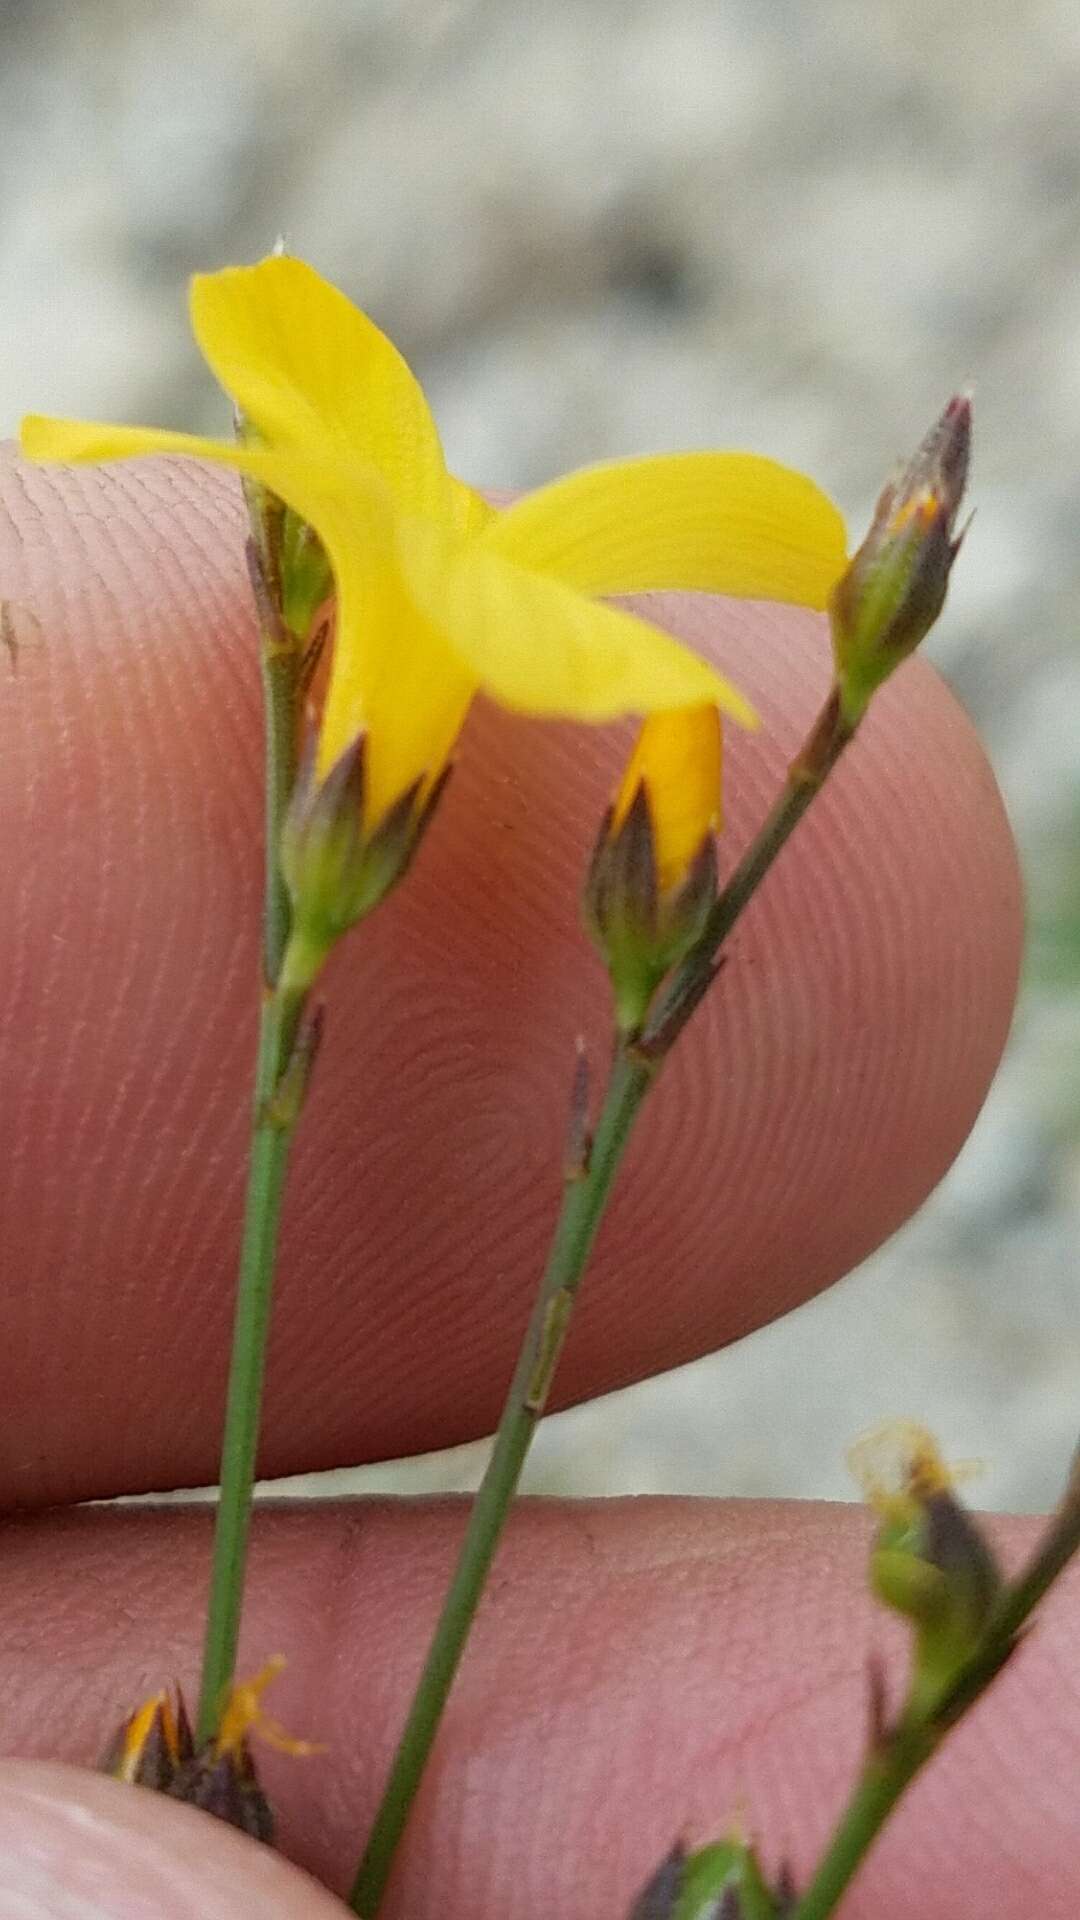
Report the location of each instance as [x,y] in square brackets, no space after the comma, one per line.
[930,1560]
[154,1748]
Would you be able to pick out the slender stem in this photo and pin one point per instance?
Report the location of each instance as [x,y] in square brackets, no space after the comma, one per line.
[281,661]
[280,669]
[273,1125]
[584,1199]
[885,1777]
[273,1128]
[1023,1595]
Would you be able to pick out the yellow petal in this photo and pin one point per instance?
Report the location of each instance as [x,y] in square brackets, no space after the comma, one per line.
[393,675]
[471,512]
[308,369]
[393,678]
[73,441]
[535,645]
[729,523]
[677,757]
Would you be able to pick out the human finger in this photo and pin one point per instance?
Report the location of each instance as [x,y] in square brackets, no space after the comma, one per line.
[639,1671]
[75,1846]
[816,1100]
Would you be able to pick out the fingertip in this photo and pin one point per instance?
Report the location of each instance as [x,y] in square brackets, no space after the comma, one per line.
[824,1089]
[77,1846]
[639,1669]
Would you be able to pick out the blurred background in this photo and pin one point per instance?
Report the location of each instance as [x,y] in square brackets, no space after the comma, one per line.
[600,227]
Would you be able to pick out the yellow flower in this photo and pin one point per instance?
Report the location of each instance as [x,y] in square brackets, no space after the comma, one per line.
[438,594]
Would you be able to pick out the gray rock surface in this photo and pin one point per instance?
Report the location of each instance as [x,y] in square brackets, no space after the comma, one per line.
[604,226]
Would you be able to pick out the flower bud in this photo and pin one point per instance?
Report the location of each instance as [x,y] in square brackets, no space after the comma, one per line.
[894,588]
[652,878]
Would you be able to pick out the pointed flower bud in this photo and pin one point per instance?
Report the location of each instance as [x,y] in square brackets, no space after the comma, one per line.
[894,588]
[652,879]
[150,1746]
[929,1561]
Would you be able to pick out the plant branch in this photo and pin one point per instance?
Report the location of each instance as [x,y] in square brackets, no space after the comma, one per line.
[899,1753]
[274,1123]
[586,1195]
[586,1191]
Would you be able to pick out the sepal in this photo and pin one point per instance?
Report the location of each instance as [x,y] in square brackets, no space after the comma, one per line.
[336,869]
[641,929]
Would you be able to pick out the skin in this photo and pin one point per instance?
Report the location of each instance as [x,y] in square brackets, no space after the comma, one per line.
[639,1668]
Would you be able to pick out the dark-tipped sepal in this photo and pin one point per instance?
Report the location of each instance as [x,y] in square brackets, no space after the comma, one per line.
[642,929]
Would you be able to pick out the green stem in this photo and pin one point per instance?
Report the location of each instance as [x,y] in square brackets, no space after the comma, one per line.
[1020,1599]
[584,1199]
[271,1139]
[280,670]
[885,1777]
[273,1124]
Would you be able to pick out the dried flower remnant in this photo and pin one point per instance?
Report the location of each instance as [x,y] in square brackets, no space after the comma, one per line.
[154,1748]
[930,1561]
